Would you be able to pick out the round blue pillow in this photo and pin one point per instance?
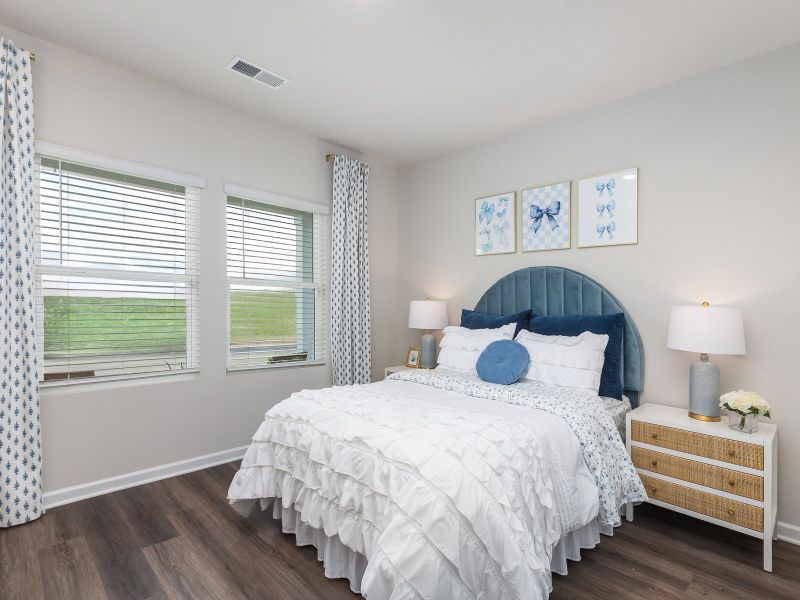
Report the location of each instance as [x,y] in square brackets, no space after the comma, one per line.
[503,361]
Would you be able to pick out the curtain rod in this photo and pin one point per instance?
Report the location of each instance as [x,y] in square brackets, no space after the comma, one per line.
[330,157]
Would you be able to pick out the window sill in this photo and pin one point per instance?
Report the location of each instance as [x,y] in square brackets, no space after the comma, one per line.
[60,388]
[238,370]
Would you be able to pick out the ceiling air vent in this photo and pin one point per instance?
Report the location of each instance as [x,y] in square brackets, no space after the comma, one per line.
[251,71]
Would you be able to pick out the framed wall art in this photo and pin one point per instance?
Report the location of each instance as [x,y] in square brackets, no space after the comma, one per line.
[546,217]
[496,224]
[608,209]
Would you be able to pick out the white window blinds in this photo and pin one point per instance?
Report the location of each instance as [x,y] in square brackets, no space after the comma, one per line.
[277,304]
[117,274]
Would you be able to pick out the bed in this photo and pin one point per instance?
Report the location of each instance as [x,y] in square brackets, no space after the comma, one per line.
[435,484]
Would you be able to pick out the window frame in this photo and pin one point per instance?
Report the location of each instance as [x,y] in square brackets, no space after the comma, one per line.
[320,282]
[192,185]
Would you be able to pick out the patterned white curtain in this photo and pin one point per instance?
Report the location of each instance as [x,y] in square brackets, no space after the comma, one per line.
[350,316]
[20,440]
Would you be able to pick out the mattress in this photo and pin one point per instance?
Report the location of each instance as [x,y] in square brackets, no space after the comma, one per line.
[442,486]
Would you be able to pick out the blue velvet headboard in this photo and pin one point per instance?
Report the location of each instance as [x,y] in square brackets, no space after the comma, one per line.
[560,291]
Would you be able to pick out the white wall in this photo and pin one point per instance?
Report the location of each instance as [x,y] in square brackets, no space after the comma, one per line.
[101,430]
[719,213]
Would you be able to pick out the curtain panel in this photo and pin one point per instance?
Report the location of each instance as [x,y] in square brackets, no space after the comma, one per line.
[20,433]
[350,312]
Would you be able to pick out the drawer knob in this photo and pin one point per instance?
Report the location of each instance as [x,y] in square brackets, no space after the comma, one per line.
[731,512]
[653,489]
[654,463]
[654,436]
[731,453]
[732,483]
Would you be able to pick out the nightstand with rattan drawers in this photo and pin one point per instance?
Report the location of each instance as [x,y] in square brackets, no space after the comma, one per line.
[706,470]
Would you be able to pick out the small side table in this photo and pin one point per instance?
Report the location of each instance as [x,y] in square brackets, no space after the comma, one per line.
[707,471]
[389,370]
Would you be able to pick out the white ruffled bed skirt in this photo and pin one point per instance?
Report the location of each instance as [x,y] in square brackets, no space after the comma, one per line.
[342,562]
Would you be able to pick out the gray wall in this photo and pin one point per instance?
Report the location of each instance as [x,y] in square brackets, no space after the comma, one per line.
[101,430]
[719,217]
[718,213]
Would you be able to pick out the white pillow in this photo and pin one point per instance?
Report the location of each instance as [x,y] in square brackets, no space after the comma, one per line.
[460,347]
[571,361]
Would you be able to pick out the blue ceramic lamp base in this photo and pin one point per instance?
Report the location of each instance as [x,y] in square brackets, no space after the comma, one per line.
[703,390]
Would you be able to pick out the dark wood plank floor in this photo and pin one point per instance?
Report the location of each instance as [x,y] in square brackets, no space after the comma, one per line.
[178,538]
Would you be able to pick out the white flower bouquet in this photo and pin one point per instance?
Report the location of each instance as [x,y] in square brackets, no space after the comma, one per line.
[748,406]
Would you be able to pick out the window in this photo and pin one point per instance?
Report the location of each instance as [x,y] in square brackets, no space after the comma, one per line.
[117,278]
[276,282]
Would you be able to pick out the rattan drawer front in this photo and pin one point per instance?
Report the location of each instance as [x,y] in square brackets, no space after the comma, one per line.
[700,444]
[717,507]
[735,482]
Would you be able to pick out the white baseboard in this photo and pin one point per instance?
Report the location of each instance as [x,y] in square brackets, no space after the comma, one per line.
[789,533]
[786,531]
[120,482]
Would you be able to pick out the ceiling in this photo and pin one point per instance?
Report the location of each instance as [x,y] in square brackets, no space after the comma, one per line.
[410,79]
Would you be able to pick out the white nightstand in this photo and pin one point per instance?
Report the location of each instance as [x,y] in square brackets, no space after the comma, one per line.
[707,470]
[389,370]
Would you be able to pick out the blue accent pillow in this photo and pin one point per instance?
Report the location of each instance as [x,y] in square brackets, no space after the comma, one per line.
[472,319]
[611,325]
[503,361]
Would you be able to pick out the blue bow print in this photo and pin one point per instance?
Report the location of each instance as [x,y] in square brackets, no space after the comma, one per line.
[488,244]
[609,185]
[609,207]
[502,232]
[502,203]
[601,229]
[537,214]
[487,210]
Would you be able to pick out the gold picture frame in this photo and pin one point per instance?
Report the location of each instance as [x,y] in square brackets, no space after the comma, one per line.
[566,211]
[587,191]
[413,357]
[487,229]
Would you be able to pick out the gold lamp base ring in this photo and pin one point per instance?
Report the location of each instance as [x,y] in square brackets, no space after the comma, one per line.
[704,417]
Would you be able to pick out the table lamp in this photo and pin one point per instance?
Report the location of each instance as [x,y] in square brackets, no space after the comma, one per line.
[428,314]
[708,330]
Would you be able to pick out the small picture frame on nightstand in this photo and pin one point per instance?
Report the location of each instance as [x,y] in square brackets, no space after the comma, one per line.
[412,358]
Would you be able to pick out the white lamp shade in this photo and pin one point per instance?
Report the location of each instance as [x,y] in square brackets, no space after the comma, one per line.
[706,329]
[427,314]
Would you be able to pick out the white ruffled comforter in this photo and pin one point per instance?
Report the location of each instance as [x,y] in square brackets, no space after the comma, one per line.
[445,500]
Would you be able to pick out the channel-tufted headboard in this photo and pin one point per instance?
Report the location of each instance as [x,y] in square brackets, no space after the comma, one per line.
[560,291]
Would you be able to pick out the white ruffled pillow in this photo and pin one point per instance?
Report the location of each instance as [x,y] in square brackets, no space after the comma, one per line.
[571,361]
[460,347]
